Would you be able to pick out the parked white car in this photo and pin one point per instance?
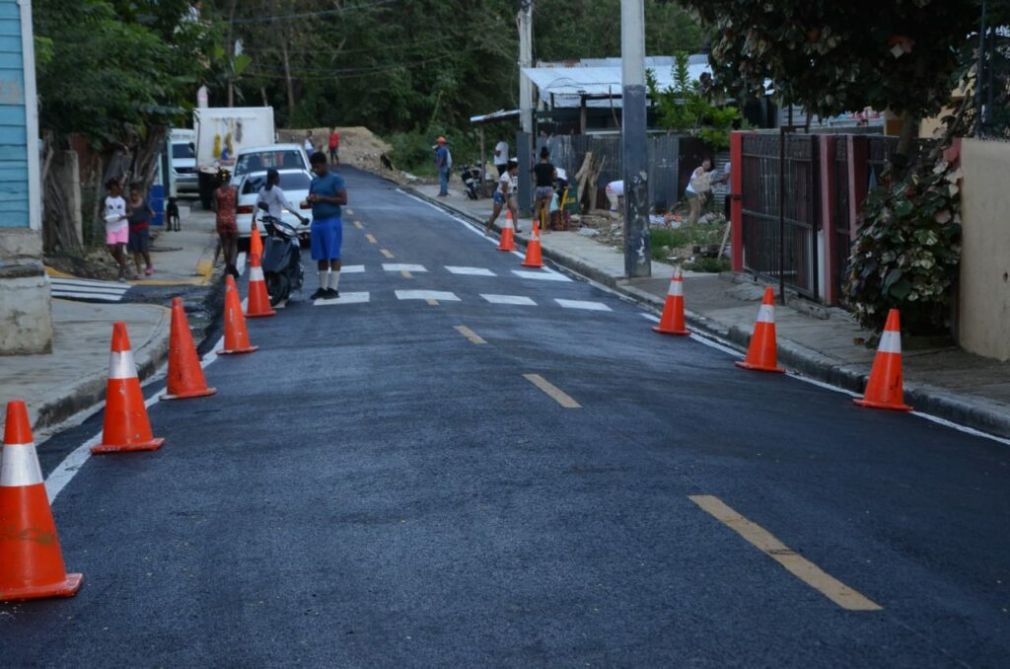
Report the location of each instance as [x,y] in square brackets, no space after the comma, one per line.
[294,183]
[262,158]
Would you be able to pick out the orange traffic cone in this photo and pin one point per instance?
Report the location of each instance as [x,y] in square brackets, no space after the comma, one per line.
[126,426]
[508,240]
[31,562]
[884,389]
[185,375]
[258,305]
[533,258]
[255,245]
[672,322]
[762,355]
[236,336]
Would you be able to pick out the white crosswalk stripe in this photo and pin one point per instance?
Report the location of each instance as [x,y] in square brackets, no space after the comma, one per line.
[519,300]
[84,289]
[582,304]
[438,295]
[399,267]
[540,276]
[470,271]
[352,269]
[345,298]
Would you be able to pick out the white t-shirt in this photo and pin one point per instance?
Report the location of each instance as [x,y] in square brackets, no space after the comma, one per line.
[308,147]
[616,187]
[115,206]
[275,200]
[508,181]
[501,155]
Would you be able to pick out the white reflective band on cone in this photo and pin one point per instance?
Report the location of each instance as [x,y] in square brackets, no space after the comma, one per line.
[676,288]
[121,365]
[255,274]
[20,466]
[766,314]
[508,225]
[890,342]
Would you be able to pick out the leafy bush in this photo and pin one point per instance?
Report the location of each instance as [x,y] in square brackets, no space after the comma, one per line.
[908,249]
[685,107]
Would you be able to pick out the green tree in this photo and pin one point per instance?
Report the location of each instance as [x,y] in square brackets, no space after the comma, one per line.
[684,107]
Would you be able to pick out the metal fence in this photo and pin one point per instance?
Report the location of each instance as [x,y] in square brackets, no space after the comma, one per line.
[843,224]
[790,252]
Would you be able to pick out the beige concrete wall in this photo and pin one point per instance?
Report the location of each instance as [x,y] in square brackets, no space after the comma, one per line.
[984,313]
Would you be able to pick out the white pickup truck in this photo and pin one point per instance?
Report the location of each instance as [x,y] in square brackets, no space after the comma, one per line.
[221,132]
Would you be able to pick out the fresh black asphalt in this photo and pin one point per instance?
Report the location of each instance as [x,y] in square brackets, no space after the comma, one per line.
[372,489]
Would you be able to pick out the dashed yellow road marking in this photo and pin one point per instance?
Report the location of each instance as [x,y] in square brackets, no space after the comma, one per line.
[555,393]
[470,334]
[387,253]
[432,303]
[798,566]
[350,212]
[370,237]
[358,225]
[405,274]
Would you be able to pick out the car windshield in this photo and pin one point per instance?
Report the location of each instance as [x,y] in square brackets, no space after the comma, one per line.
[290,181]
[263,160]
[183,151]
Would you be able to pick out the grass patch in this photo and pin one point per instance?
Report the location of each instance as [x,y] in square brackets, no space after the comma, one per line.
[665,241]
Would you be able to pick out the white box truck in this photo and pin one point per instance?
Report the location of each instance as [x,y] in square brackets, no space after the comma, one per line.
[220,133]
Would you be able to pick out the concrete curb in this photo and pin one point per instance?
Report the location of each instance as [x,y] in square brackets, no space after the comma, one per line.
[89,392]
[976,413]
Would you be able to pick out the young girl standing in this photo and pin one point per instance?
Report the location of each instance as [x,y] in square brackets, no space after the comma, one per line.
[116,225]
[140,214]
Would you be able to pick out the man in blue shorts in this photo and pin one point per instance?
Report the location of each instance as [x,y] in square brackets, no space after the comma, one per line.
[326,193]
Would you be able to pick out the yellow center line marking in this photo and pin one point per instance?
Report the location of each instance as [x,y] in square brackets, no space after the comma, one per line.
[387,253]
[350,212]
[370,237]
[798,566]
[358,225]
[558,395]
[432,303]
[405,274]
[470,334]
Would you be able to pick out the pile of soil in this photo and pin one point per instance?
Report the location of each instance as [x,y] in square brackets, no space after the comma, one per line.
[359,146]
[95,263]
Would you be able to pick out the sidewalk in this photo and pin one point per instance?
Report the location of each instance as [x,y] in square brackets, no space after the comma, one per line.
[72,378]
[820,342]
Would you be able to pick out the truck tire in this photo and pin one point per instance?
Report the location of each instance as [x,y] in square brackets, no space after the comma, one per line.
[207,184]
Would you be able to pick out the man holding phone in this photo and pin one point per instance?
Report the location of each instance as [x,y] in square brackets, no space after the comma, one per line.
[327,193]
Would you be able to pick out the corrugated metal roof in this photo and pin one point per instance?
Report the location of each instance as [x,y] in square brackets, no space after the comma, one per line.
[601,76]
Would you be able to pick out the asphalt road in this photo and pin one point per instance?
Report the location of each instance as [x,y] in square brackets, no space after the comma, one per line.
[373,488]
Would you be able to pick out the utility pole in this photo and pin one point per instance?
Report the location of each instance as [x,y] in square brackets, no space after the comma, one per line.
[524,138]
[637,254]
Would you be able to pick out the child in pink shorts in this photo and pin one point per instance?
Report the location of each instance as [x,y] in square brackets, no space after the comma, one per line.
[117,228]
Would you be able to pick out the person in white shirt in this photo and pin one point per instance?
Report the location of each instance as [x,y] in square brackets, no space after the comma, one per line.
[309,147]
[615,191]
[505,195]
[272,195]
[501,156]
[117,227]
[698,188]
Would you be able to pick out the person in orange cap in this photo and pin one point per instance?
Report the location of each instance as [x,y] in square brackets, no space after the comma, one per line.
[443,161]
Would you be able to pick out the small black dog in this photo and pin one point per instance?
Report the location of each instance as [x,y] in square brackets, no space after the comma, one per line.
[386,162]
[172,220]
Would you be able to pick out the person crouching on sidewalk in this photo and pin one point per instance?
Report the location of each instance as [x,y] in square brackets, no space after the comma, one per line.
[327,193]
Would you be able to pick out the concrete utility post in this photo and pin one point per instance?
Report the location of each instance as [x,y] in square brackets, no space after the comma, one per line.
[524,20]
[637,255]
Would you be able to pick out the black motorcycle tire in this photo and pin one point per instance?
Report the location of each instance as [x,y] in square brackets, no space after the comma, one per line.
[278,287]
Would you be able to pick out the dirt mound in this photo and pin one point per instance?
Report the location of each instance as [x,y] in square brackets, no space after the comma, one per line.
[359,146]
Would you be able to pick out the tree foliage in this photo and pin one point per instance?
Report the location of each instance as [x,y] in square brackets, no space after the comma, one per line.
[834,57]
[685,107]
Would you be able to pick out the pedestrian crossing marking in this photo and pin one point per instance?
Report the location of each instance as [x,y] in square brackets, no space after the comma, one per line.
[470,271]
[345,298]
[440,295]
[85,289]
[509,299]
[540,276]
[582,304]
[387,253]
[352,269]
[398,267]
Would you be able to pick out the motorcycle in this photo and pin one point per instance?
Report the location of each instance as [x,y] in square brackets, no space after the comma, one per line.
[282,258]
[470,174]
